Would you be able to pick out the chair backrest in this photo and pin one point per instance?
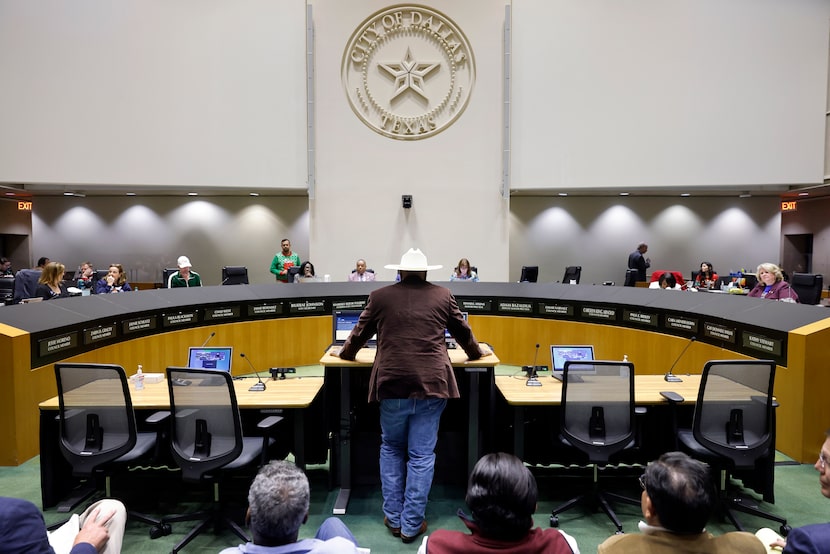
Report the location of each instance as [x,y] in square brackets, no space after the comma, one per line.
[97,423]
[734,411]
[694,275]
[572,273]
[630,278]
[530,274]
[25,284]
[166,273]
[293,272]
[234,275]
[206,428]
[6,290]
[808,287]
[598,407]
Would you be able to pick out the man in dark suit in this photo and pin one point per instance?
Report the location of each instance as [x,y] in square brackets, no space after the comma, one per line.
[638,261]
[812,539]
[412,379]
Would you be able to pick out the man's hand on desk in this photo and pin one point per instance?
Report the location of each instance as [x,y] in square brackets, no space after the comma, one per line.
[335,351]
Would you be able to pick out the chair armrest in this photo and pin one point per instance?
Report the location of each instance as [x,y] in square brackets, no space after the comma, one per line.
[269,422]
[158,417]
[672,396]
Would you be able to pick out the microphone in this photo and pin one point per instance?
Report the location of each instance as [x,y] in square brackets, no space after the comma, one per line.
[210,336]
[672,378]
[532,380]
[256,387]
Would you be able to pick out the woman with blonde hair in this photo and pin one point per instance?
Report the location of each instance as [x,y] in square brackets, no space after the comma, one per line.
[50,285]
[771,284]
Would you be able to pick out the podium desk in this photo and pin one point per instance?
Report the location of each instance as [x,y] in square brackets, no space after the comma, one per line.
[294,393]
[364,360]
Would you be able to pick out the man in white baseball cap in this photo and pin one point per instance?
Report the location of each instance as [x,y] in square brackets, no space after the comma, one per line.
[184,277]
[412,379]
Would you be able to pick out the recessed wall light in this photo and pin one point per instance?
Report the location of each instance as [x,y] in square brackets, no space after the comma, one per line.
[685,194]
[130,194]
[9,194]
[253,194]
[625,193]
[67,193]
[563,194]
[193,194]
[804,194]
[745,195]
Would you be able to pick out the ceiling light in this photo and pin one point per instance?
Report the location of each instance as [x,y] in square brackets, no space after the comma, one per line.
[685,194]
[130,194]
[804,194]
[67,193]
[193,194]
[624,193]
[745,195]
[253,194]
[563,194]
[9,194]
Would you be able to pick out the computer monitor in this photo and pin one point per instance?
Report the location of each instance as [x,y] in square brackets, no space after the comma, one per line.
[561,354]
[342,323]
[213,357]
[448,337]
[530,274]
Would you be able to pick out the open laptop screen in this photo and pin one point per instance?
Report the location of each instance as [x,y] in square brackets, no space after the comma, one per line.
[215,357]
[561,354]
[343,321]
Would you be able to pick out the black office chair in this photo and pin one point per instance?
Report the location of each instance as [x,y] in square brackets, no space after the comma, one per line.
[530,274]
[572,273]
[808,287]
[206,440]
[98,432]
[630,278]
[6,290]
[293,272]
[734,430]
[166,273]
[234,275]
[597,420]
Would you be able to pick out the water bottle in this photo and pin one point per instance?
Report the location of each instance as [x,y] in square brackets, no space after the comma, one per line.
[139,378]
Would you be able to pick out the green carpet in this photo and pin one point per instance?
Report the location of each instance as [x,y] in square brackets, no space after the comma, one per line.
[797,497]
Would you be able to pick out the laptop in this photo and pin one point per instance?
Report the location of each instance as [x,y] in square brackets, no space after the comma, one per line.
[342,323]
[448,338]
[210,357]
[561,354]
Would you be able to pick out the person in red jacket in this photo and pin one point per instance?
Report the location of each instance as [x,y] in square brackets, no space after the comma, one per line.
[502,497]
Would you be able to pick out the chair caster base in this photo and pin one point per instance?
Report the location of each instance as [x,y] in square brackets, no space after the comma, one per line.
[160,530]
[554,521]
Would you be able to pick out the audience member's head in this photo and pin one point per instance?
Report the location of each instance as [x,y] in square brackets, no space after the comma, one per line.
[52,274]
[677,493]
[821,465]
[501,494]
[41,262]
[5,264]
[667,281]
[771,268]
[277,504]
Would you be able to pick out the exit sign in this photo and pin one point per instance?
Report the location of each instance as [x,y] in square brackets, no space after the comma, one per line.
[24,206]
[789,206]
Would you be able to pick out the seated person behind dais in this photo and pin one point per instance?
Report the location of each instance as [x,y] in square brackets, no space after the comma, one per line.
[184,277]
[706,278]
[306,274]
[360,273]
[115,281]
[463,272]
[50,285]
[667,281]
[502,496]
[771,284]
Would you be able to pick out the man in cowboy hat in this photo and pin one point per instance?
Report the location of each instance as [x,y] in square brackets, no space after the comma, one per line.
[412,379]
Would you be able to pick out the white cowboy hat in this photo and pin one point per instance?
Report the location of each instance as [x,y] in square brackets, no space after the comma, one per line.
[413,260]
[183,261]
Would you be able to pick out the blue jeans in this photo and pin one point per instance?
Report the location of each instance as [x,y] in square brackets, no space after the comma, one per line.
[409,431]
[334,527]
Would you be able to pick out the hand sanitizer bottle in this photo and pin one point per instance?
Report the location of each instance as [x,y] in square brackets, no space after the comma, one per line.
[139,378]
[625,358]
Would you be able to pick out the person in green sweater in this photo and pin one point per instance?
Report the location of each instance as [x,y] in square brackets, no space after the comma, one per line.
[184,277]
[283,261]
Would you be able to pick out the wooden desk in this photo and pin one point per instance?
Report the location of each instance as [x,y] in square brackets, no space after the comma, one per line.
[518,395]
[364,359]
[287,394]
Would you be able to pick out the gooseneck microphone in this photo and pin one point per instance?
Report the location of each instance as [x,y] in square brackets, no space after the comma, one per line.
[672,378]
[532,380]
[256,387]
[210,336]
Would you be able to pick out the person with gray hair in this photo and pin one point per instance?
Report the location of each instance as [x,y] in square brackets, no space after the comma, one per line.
[277,506]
